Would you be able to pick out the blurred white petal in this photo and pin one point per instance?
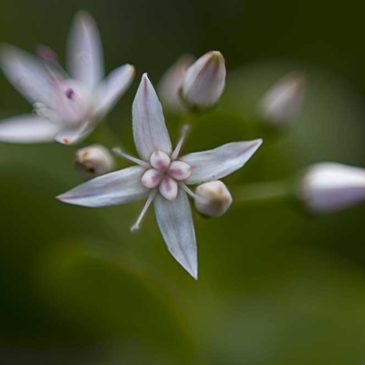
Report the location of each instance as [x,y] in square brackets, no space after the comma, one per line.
[26,73]
[149,128]
[113,87]
[175,221]
[219,162]
[84,51]
[70,136]
[171,82]
[27,129]
[282,102]
[329,187]
[114,188]
[168,188]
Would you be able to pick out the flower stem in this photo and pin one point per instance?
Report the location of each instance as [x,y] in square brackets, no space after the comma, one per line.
[263,192]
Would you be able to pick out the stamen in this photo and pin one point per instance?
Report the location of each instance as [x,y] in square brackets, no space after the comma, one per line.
[150,198]
[136,160]
[184,132]
[188,191]
[41,110]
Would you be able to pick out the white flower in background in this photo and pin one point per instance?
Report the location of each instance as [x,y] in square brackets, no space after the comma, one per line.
[171,83]
[283,101]
[67,107]
[212,198]
[94,160]
[162,176]
[204,81]
[329,187]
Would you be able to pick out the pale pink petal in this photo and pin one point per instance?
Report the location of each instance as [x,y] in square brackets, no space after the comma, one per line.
[180,170]
[175,221]
[27,129]
[113,87]
[149,128]
[160,160]
[151,178]
[219,162]
[71,136]
[168,188]
[114,188]
[26,73]
[84,51]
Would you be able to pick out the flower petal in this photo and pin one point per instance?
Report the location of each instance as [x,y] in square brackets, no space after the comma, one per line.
[27,129]
[114,188]
[175,221]
[149,128]
[219,162]
[84,51]
[113,87]
[71,136]
[26,73]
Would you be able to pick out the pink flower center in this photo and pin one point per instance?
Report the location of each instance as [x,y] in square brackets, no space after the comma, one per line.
[165,174]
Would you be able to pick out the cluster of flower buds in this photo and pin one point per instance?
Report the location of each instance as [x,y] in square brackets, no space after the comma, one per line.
[194,86]
[67,107]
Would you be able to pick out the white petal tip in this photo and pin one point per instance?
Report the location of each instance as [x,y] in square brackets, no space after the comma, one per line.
[145,79]
[216,54]
[131,68]
[192,271]
[85,18]
[62,198]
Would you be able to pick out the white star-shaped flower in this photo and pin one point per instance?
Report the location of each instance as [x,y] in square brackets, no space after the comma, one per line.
[67,106]
[162,176]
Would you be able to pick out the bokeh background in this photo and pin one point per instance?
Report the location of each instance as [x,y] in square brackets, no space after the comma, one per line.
[277,286]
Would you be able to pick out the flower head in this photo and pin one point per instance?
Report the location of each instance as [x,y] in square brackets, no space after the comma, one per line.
[161,175]
[66,106]
[329,187]
[204,81]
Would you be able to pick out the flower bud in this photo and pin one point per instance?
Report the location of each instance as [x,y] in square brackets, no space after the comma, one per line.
[171,83]
[204,81]
[94,160]
[212,198]
[283,101]
[329,187]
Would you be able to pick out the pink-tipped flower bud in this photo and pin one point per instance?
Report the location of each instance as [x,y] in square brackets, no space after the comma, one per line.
[171,83]
[283,101]
[212,198]
[328,187]
[204,81]
[94,160]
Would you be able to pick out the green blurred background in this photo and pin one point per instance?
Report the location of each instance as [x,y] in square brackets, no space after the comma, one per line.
[276,285]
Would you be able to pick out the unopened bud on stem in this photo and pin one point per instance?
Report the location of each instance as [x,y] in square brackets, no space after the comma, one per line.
[283,101]
[204,81]
[171,83]
[94,160]
[329,187]
[212,198]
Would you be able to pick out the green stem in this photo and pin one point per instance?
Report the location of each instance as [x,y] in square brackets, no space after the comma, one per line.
[262,192]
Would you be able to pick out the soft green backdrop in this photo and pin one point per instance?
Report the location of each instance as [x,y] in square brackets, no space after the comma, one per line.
[276,285]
